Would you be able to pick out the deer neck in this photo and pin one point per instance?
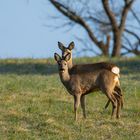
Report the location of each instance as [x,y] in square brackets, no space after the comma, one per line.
[65,77]
[70,64]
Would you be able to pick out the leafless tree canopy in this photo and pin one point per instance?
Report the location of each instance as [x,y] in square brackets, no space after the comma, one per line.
[102,19]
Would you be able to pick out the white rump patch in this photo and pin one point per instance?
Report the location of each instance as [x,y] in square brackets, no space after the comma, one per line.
[115,70]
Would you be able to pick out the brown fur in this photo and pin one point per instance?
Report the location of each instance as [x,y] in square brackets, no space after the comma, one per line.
[79,82]
[87,67]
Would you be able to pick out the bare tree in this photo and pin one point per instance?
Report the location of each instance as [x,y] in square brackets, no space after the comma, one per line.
[105,19]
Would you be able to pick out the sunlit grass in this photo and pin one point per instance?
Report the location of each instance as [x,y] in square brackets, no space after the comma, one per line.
[34,104]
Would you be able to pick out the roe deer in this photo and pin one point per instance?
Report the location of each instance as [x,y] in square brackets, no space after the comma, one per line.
[105,65]
[80,82]
[65,51]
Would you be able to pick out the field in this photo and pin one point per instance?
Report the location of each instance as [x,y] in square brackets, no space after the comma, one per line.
[34,105]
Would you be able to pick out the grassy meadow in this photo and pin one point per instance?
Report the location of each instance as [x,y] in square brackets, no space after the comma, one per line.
[34,105]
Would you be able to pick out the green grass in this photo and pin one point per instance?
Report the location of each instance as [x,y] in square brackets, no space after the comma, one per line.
[34,105]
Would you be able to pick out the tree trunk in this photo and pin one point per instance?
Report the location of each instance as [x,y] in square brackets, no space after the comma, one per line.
[105,46]
[117,44]
[105,50]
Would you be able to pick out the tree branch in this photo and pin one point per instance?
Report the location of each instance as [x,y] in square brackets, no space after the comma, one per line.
[99,21]
[124,14]
[134,51]
[79,20]
[128,41]
[88,46]
[132,33]
[135,15]
[110,14]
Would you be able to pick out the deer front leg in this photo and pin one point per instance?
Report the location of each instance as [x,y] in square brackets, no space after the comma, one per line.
[83,105]
[76,104]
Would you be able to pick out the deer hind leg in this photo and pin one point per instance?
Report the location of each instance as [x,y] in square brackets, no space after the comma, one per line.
[118,109]
[82,100]
[118,91]
[107,104]
[114,105]
[120,101]
[118,98]
[76,104]
[113,100]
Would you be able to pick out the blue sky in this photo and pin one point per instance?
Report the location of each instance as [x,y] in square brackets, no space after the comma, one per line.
[23,34]
[22,30]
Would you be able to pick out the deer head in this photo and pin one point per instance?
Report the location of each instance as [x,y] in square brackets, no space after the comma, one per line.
[62,62]
[66,50]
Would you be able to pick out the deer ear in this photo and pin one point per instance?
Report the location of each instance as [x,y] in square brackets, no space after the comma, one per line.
[67,57]
[71,45]
[57,57]
[61,46]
